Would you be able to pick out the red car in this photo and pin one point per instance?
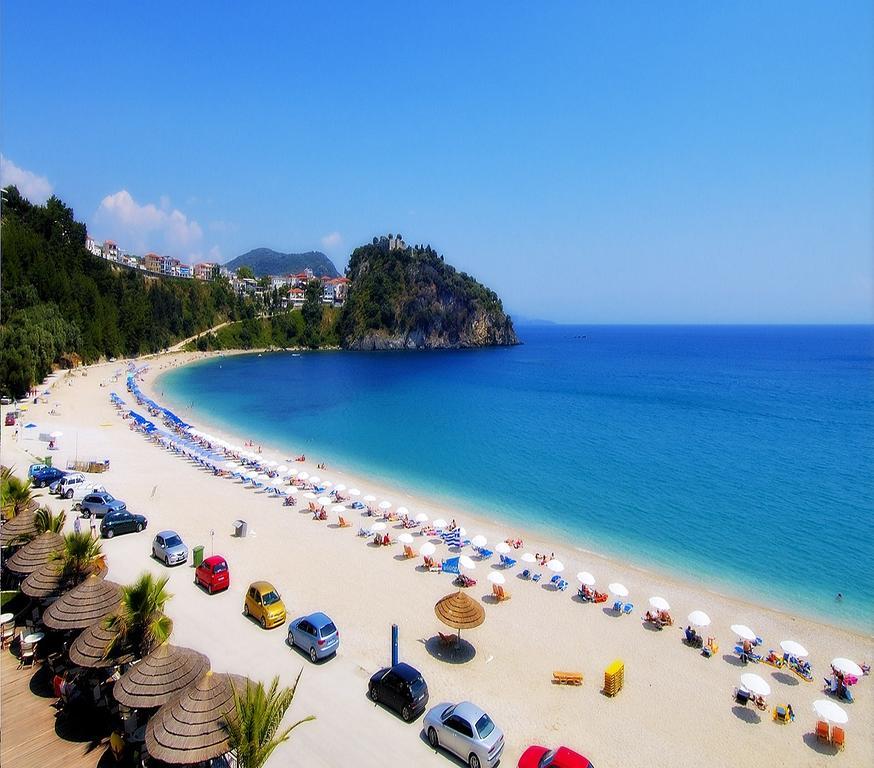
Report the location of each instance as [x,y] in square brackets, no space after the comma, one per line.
[541,757]
[212,574]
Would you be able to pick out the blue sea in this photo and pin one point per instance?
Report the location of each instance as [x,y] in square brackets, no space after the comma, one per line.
[734,455]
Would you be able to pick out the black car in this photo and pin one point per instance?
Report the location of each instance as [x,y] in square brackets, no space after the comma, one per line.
[47,476]
[121,522]
[402,688]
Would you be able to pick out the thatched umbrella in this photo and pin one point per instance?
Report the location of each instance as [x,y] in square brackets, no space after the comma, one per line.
[44,582]
[88,650]
[459,611]
[191,728]
[79,608]
[31,556]
[159,676]
[19,529]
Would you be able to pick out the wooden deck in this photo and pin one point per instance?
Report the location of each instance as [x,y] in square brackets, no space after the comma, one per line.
[32,734]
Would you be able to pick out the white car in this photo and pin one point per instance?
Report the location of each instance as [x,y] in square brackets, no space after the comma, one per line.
[465,730]
[79,491]
[65,486]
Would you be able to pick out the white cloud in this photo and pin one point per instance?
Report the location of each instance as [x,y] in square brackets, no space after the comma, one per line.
[147,227]
[332,240]
[35,188]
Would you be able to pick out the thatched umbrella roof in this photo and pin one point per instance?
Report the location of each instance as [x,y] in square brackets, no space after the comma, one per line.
[159,676]
[18,529]
[79,608]
[89,648]
[191,727]
[44,582]
[460,611]
[31,556]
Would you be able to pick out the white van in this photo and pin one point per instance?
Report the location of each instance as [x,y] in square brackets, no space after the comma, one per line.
[76,486]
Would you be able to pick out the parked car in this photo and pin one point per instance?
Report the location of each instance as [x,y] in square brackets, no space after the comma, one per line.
[10,419]
[316,634]
[5,400]
[81,491]
[34,468]
[541,757]
[121,521]
[264,604]
[402,688]
[66,485]
[465,730]
[101,503]
[169,548]
[213,574]
[46,476]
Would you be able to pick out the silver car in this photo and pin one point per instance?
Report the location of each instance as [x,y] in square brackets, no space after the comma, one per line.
[465,730]
[169,548]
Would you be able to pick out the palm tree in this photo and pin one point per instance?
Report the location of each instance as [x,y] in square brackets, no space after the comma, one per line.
[82,554]
[140,624]
[46,520]
[16,493]
[252,732]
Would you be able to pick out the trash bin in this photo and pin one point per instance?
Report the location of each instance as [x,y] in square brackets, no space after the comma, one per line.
[241,528]
[198,556]
[47,460]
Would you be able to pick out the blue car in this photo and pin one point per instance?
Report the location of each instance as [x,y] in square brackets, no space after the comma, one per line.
[46,476]
[315,634]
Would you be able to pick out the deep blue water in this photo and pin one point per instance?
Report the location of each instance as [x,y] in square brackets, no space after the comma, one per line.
[737,454]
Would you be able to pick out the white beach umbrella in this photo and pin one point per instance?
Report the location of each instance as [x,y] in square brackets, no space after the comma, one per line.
[617,589]
[556,566]
[743,632]
[293,472]
[847,667]
[528,558]
[439,523]
[496,577]
[659,604]
[377,527]
[830,711]
[699,619]
[465,562]
[324,501]
[405,538]
[354,492]
[56,434]
[303,475]
[584,577]
[282,469]
[385,504]
[339,487]
[326,484]
[793,648]
[315,479]
[402,511]
[339,508]
[462,531]
[421,518]
[310,496]
[427,549]
[479,540]
[271,463]
[370,497]
[755,684]
[502,548]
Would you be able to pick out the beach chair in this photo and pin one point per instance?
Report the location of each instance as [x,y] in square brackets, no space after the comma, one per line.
[628,608]
[555,580]
[526,574]
[567,678]
[344,523]
[822,732]
[26,655]
[711,649]
[838,737]
[447,641]
[485,554]
[498,593]
[535,577]
[783,713]
[7,632]
[600,597]
[363,532]
[617,606]
[507,562]
[741,696]
[432,566]
[408,552]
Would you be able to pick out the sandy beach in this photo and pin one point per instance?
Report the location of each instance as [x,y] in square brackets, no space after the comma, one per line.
[676,708]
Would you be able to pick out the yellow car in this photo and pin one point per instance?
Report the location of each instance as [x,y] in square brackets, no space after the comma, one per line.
[264,604]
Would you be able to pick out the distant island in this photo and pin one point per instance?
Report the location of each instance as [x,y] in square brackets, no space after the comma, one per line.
[265,261]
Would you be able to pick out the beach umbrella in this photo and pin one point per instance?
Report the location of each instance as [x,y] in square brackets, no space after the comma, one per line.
[56,434]
[303,475]
[326,483]
[325,500]
[460,611]
[743,632]
[830,711]
[271,463]
[191,729]
[19,529]
[421,518]
[354,492]
[617,589]
[584,577]
[79,608]
[755,684]
[315,479]
[496,577]
[310,496]
[453,538]
[35,554]
[89,647]
[465,562]
[384,504]
[659,604]
[338,508]
[370,497]
[282,469]
[162,674]
[44,582]
[439,523]
[699,619]
[376,527]
[793,648]
[427,549]
[479,540]
[502,548]
[528,558]
[847,667]
[405,538]
[556,566]
[293,473]
[339,487]
[402,511]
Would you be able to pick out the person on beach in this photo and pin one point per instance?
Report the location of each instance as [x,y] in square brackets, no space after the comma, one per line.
[77,525]
[93,522]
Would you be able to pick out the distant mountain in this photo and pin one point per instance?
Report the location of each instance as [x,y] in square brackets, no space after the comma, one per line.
[264,261]
[520,320]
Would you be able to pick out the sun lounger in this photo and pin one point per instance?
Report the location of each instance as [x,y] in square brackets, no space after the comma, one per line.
[628,608]
[535,577]
[344,523]
[507,562]
[408,552]
[838,737]
[567,678]
[741,696]
[711,649]
[526,574]
[586,595]
[499,594]
[364,532]
[432,566]
[484,553]
[822,732]
[600,597]
[357,505]
[617,606]
[447,641]
[783,713]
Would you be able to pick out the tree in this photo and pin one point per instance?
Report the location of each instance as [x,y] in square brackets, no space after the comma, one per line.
[312,313]
[16,493]
[81,555]
[252,726]
[245,273]
[45,520]
[139,624]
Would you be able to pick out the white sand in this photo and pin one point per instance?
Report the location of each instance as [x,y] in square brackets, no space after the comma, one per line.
[676,708]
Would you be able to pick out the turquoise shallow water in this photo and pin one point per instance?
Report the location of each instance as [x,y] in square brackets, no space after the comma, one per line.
[744,455]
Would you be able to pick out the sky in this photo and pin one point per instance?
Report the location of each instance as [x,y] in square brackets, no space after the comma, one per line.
[590,162]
